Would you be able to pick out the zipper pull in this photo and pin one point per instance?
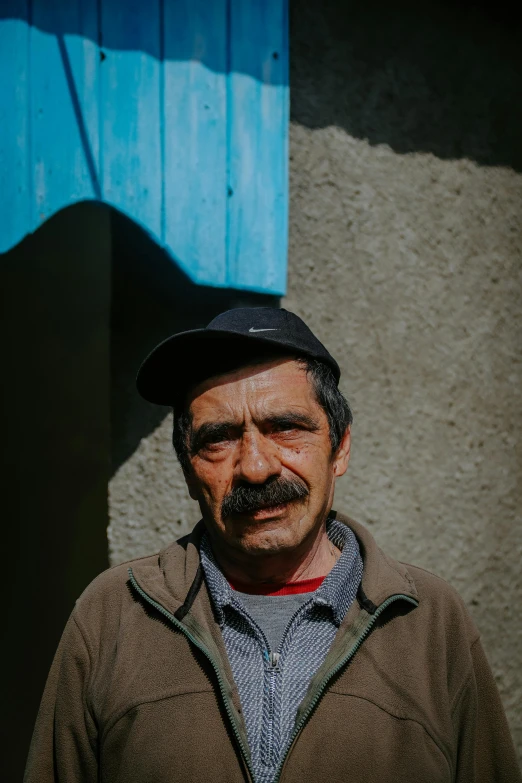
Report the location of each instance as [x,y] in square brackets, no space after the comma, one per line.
[274,660]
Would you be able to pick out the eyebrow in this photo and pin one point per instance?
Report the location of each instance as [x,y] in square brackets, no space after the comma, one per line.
[207,431]
[292,418]
[210,430]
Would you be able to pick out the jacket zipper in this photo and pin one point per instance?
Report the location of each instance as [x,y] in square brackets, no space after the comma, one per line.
[273,662]
[322,687]
[319,692]
[161,609]
[272,659]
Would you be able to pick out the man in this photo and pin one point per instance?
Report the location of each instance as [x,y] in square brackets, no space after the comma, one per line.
[276,642]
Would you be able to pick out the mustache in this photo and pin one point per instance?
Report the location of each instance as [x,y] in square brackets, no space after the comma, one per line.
[246,498]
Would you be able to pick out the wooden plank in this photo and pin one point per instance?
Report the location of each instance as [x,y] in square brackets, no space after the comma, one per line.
[179,120]
[195,134]
[14,96]
[258,145]
[131,110]
[64,61]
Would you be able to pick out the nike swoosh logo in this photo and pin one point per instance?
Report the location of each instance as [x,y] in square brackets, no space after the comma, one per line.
[262,330]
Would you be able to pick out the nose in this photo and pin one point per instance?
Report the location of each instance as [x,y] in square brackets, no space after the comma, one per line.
[258,459]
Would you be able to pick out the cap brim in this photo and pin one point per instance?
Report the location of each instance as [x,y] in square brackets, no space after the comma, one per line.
[169,368]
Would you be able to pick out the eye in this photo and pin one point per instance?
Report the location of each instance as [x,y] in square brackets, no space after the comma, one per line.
[285,427]
[220,437]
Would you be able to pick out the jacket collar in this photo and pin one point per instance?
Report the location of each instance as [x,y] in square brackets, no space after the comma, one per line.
[168,577]
[382,575]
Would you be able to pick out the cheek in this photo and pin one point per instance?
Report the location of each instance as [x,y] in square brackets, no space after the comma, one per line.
[212,479]
[313,464]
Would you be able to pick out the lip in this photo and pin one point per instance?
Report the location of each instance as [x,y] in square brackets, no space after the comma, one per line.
[268,512]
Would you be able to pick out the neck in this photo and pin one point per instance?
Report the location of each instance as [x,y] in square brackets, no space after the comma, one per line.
[310,560]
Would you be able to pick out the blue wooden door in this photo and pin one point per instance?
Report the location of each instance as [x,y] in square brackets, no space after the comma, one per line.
[173,111]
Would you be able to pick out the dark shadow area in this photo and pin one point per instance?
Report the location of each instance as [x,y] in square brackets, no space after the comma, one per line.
[55,449]
[167,31]
[151,299]
[84,299]
[435,77]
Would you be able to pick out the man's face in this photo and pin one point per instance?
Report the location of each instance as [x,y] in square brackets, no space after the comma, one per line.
[261,458]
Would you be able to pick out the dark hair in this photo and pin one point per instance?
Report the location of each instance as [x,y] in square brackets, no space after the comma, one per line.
[327,393]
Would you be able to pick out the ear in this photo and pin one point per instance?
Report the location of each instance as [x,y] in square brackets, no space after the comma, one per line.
[343,454]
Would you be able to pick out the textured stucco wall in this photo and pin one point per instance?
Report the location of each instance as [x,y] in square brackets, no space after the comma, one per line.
[405,237]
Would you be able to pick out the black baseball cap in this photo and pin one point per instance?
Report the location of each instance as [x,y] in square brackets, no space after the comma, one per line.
[230,340]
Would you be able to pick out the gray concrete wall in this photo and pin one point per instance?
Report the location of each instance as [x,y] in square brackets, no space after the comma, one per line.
[405,237]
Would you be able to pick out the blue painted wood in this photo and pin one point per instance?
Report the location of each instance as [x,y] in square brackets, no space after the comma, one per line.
[131,105]
[176,116]
[258,145]
[15,163]
[195,136]
[64,105]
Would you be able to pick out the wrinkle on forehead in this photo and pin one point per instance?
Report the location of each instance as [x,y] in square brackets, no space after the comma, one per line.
[246,371]
[254,393]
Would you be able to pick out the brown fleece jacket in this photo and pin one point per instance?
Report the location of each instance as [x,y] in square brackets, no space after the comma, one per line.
[139,695]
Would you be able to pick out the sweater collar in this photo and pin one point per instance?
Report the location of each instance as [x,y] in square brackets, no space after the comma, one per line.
[336,591]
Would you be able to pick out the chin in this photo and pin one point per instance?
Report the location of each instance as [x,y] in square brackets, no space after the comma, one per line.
[263,542]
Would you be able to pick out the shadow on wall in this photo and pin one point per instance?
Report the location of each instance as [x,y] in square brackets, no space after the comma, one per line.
[55,447]
[164,30]
[420,77]
[83,301]
[151,299]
